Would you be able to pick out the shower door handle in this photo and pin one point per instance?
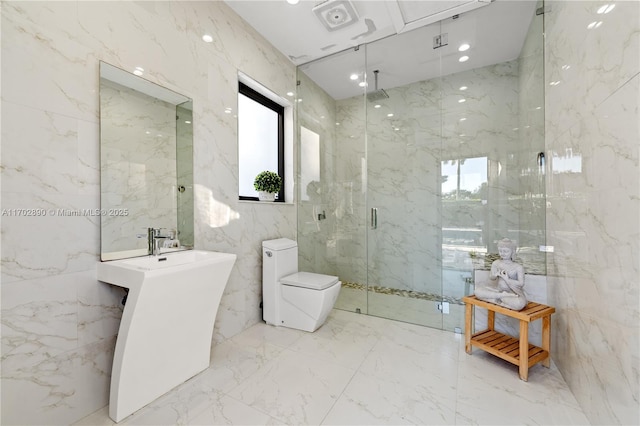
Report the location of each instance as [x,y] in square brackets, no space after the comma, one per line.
[374,218]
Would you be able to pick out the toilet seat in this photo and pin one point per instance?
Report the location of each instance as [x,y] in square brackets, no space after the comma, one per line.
[309,280]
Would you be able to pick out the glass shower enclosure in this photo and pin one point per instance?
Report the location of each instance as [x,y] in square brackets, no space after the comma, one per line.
[414,162]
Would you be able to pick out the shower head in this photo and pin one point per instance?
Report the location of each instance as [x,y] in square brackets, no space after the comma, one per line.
[377,94]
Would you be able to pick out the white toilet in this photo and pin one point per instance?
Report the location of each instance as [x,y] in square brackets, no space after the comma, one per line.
[301,300]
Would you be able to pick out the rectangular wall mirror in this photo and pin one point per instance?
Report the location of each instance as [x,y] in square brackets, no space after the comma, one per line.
[146,164]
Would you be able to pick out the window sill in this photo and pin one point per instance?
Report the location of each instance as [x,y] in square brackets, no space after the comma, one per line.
[286,203]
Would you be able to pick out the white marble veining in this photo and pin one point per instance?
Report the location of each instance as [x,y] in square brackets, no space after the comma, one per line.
[593,203]
[403,374]
[56,346]
[58,321]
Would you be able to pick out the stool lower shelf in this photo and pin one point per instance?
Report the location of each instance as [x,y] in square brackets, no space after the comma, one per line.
[506,347]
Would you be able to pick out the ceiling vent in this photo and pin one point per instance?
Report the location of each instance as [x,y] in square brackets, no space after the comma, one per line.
[336,14]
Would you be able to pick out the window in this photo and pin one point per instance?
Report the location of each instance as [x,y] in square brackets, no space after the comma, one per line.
[465,179]
[309,163]
[464,199]
[260,140]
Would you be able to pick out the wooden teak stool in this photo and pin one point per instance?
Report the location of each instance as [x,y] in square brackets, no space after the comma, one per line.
[516,351]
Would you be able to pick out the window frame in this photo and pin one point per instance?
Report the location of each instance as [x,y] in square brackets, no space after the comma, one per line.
[252,94]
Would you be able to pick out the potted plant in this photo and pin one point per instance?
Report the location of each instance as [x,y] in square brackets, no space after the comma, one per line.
[268,185]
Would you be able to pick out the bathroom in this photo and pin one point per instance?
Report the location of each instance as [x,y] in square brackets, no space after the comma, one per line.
[60,324]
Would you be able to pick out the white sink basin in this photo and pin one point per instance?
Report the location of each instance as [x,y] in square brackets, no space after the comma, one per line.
[167,260]
[167,324]
[130,273]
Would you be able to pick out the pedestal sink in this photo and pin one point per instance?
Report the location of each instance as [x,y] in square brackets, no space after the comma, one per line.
[167,324]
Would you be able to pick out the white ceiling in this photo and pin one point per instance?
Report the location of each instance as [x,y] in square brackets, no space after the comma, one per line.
[404,31]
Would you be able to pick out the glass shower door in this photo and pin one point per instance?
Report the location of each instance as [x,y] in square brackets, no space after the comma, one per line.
[492,140]
[403,178]
[407,183]
[332,203]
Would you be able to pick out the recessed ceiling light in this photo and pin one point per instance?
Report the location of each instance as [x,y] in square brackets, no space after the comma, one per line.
[461,100]
[377,106]
[463,59]
[290,93]
[362,84]
[463,47]
[207,38]
[293,1]
[353,76]
[390,114]
[463,119]
[187,122]
[138,71]
[594,24]
[463,87]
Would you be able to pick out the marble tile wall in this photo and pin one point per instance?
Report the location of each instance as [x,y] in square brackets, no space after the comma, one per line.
[592,78]
[58,322]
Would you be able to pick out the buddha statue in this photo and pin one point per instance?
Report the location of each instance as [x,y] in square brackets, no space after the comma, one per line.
[505,286]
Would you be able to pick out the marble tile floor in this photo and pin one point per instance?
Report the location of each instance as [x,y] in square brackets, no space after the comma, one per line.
[358,370]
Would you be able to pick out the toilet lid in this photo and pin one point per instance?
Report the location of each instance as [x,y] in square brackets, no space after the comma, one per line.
[309,280]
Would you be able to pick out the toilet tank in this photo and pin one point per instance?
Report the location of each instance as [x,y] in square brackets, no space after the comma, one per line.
[279,259]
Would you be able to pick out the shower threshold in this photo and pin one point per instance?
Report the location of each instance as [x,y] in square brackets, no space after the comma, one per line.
[412,294]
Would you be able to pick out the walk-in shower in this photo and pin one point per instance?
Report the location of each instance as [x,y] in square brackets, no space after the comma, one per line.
[405,195]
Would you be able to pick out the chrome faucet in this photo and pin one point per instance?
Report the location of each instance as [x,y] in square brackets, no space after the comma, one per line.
[154,239]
